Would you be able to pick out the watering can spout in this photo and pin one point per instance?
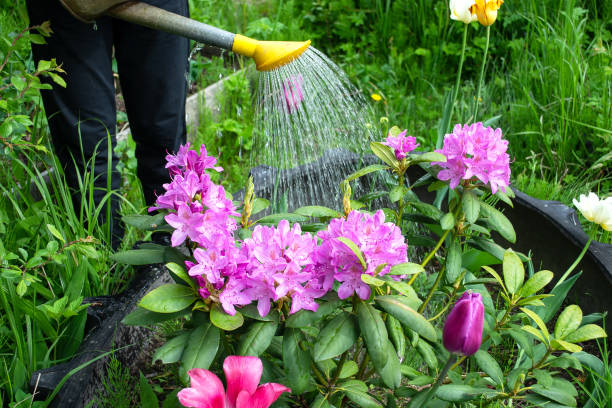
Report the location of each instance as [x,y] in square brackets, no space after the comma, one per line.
[268,55]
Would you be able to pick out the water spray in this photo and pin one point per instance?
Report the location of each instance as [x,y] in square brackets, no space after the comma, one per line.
[268,55]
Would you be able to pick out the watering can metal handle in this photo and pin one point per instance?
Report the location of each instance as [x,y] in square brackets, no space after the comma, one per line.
[150,16]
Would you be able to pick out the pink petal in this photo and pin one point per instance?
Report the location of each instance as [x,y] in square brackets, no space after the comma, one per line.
[242,373]
[206,392]
[264,396]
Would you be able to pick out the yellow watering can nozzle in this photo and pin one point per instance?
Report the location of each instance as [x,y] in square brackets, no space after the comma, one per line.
[269,55]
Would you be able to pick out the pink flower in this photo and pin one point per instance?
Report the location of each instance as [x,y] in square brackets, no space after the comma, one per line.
[401,144]
[475,152]
[242,375]
[186,224]
[292,88]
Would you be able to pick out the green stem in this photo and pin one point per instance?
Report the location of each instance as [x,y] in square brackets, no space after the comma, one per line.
[431,254]
[441,377]
[363,366]
[318,374]
[458,80]
[576,262]
[338,369]
[482,72]
[432,290]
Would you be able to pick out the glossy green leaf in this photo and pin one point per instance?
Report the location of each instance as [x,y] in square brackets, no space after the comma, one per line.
[353,247]
[317,211]
[275,218]
[406,268]
[586,333]
[296,362]
[453,262]
[259,204]
[169,298]
[366,170]
[349,369]
[146,393]
[524,342]
[397,306]
[557,344]
[144,317]
[257,339]
[536,283]
[305,318]
[428,157]
[428,354]
[396,335]
[180,272]
[514,272]
[336,337]
[553,303]
[499,222]
[490,366]
[225,321]
[470,205]
[390,373]
[384,153]
[568,321]
[172,350]
[447,222]
[144,222]
[374,333]
[538,321]
[357,392]
[461,393]
[200,349]
[560,391]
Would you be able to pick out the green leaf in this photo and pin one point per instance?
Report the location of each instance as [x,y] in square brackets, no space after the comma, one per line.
[366,170]
[406,268]
[18,82]
[490,366]
[493,273]
[55,233]
[391,373]
[225,321]
[259,204]
[296,362]
[560,391]
[553,303]
[538,321]
[357,391]
[144,317]
[586,333]
[374,333]
[396,335]
[201,348]
[398,308]
[453,261]
[397,193]
[557,344]
[168,298]
[384,153]
[498,222]
[568,321]
[349,369]
[251,312]
[428,157]
[305,318]
[353,247]
[317,211]
[275,218]
[447,222]
[536,282]
[172,351]
[180,272]
[257,339]
[143,256]
[514,272]
[336,337]
[147,395]
[535,332]
[470,205]
[428,354]
[461,393]
[144,222]
[371,280]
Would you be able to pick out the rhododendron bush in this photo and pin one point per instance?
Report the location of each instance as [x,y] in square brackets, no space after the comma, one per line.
[335,306]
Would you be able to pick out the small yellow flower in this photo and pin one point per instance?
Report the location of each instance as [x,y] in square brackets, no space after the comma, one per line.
[376,97]
[486,10]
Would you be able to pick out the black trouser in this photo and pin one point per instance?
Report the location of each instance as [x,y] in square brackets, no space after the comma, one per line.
[152,67]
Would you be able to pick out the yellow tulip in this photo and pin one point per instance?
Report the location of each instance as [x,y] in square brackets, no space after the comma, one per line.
[486,11]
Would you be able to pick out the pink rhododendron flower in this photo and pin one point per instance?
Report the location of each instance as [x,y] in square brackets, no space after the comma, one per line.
[473,151]
[242,374]
[381,243]
[292,88]
[401,144]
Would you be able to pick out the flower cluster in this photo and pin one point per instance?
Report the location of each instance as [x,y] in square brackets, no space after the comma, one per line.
[275,263]
[381,243]
[475,151]
[595,210]
[401,144]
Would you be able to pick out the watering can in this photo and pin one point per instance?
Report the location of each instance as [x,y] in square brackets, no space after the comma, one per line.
[267,55]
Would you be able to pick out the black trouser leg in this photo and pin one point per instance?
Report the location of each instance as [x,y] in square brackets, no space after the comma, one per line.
[152,69]
[82,115]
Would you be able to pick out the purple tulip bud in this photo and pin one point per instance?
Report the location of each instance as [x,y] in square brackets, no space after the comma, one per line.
[463,327]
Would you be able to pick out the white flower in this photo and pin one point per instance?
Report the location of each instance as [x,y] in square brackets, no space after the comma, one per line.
[595,210]
[461,10]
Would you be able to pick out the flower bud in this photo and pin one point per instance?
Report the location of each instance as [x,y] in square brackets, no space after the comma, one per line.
[463,327]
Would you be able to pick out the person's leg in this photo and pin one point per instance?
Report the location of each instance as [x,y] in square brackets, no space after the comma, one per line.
[152,70]
[82,114]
